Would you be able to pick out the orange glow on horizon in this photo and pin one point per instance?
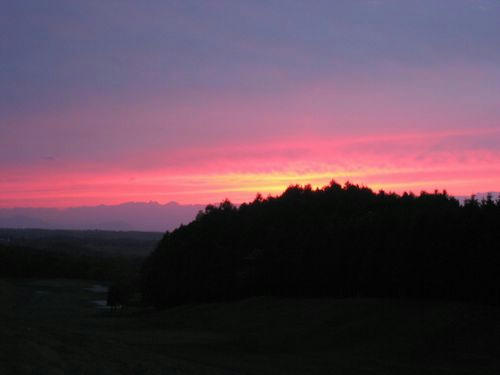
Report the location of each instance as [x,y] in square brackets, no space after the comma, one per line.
[404,162]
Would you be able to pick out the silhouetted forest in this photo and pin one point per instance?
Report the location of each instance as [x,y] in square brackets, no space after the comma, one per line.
[26,262]
[83,242]
[338,241]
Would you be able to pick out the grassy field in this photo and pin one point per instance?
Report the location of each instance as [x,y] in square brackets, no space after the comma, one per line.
[52,327]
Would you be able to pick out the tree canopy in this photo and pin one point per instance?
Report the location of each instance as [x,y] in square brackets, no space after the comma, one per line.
[337,241]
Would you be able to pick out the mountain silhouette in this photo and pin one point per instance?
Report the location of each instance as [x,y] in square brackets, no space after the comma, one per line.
[142,216]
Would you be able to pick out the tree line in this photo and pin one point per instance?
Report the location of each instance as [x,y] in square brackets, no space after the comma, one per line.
[337,241]
[26,262]
[83,242]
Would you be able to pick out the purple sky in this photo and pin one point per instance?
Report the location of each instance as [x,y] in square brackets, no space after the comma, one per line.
[111,101]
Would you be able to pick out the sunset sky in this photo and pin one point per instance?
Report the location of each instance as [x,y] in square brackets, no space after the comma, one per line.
[103,102]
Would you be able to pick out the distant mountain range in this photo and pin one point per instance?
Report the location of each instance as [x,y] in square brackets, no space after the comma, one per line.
[141,216]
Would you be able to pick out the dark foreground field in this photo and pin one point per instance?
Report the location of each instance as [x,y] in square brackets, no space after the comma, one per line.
[52,327]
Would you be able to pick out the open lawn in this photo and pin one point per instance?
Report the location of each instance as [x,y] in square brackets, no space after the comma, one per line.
[53,327]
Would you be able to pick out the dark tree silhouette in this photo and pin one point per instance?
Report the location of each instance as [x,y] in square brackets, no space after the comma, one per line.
[338,241]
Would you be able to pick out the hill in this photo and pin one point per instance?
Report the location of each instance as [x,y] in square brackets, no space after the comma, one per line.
[52,327]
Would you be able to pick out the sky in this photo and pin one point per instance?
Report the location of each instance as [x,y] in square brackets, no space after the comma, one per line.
[103,102]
